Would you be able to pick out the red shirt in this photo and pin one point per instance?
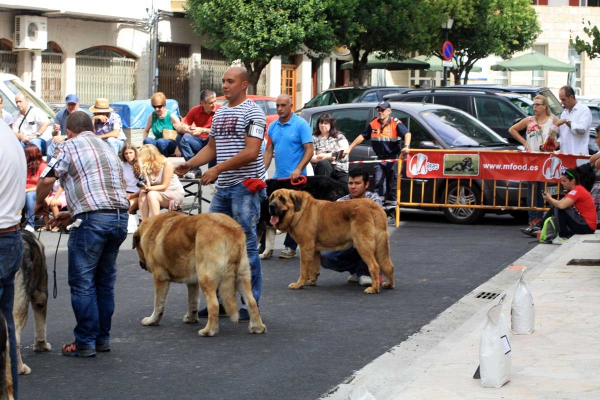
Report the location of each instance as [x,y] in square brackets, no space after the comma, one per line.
[32,180]
[199,119]
[584,203]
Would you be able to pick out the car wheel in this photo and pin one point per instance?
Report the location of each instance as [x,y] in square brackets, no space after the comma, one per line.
[467,195]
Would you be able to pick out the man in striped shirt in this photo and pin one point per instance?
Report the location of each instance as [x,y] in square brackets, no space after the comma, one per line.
[236,137]
[91,175]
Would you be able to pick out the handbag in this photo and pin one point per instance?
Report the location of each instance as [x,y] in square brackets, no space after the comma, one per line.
[169,134]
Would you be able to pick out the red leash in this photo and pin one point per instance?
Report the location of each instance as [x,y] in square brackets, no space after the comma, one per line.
[295,182]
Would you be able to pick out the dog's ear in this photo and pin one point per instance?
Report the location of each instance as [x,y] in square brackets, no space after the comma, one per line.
[136,239]
[297,200]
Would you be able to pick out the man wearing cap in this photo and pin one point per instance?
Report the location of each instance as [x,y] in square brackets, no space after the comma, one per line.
[385,134]
[107,125]
[30,123]
[59,131]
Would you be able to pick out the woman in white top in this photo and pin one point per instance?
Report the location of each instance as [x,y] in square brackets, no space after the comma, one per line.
[131,173]
[329,144]
[541,135]
[162,188]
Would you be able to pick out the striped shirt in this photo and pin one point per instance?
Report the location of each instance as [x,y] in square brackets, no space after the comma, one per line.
[368,195]
[229,129]
[91,174]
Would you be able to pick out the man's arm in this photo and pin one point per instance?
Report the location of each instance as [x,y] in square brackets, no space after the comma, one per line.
[309,150]
[268,156]
[44,187]
[365,134]
[204,156]
[581,124]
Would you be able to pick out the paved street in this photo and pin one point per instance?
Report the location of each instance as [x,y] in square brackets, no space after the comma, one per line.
[317,337]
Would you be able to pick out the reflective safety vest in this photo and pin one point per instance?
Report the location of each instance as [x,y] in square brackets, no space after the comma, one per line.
[384,138]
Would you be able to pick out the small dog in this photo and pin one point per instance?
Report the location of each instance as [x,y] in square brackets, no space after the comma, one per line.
[31,285]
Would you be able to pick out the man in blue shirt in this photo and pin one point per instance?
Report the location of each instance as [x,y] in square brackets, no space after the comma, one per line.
[59,132]
[293,146]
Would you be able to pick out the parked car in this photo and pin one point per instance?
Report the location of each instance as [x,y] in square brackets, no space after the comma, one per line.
[268,105]
[498,110]
[595,109]
[345,95]
[432,127]
[527,90]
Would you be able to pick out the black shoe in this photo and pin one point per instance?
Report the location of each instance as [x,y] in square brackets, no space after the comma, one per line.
[244,316]
[204,312]
[531,230]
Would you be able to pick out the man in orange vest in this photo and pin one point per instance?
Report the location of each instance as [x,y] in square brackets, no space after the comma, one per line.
[385,134]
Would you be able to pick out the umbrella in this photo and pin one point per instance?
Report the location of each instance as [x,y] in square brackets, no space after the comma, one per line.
[533,62]
[390,65]
[436,63]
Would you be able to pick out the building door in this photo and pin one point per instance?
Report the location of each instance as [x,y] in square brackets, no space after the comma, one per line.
[173,73]
[52,59]
[288,80]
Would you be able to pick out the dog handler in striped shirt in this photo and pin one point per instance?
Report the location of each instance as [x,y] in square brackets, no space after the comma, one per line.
[91,175]
[236,137]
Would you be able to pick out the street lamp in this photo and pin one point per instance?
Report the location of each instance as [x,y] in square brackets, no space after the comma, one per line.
[446,26]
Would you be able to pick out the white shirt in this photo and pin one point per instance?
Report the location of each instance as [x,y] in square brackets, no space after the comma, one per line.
[575,140]
[12,178]
[32,123]
[130,179]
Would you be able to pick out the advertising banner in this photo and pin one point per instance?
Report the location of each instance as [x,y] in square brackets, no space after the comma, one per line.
[494,165]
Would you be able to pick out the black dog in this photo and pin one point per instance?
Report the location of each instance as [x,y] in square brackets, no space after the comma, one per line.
[465,165]
[320,187]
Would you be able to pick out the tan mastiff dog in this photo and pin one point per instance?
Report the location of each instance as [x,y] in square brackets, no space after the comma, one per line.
[322,225]
[205,249]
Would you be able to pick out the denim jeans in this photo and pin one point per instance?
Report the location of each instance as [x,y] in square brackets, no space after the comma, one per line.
[29,207]
[11,252]
[93,250]
[534,189]
[51,146]
[347,260]
[164,146]
[244,207]
[40,143]
[386,176]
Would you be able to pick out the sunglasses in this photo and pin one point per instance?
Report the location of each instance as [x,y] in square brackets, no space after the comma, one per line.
[159,106]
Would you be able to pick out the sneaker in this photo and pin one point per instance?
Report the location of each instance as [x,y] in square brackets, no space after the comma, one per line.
[288,252]
[266,256]
[103,347]
[244,315]
[190,175]
[353,278]
[198,174]
[559,240]
[29,228]
[365,280]
[71,350]
[204,312]
[531,230]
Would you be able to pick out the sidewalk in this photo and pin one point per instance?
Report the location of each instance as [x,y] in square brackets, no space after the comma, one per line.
[560,360]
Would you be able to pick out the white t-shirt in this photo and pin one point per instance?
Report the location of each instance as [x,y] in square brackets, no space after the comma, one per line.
[130,178]
[575,140]
[31,125]
[12,178]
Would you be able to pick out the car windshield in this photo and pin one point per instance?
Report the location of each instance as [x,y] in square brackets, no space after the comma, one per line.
[347,96]
[523,103]
[458,129]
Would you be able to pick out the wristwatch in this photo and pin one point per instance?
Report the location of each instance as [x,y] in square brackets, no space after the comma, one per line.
[568,122]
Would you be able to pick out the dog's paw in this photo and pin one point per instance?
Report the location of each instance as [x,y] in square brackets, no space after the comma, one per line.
[208,332]
[310,282]
[42,346]
[266,255]
[258,328]
[150,321]
[387,285]
[24,370]
[371,290]
[295,285]
[191,319]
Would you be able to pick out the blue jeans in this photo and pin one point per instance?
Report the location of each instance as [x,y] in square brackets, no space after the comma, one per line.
[347,260]
[40,143]
[51,148]
[534,189]
[166,147]
[29,207]
[386,175]
[244,207]
[116,144]
[93,250]
[11,252]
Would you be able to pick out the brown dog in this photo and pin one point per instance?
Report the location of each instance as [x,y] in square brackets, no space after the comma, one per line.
[205,249]
[322,225]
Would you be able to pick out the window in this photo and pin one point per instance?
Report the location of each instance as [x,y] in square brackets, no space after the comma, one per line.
[501,77]
[495,113]
[418,133]
[370,97]
[575,77]
[351,122]
[416,99]
[538,78]
[461,102]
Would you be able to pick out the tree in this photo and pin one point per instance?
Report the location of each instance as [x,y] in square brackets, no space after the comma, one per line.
[388,28]
[486,27]
[592,49]
[256,31]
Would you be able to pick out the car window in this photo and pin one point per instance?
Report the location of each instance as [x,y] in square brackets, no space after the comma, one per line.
[384,93]
[270,107]
[523,103]
[347,96]
[416,99]
[370,97]
[460,102]
[322,99]
[595,115]
[351,122]
[459,129]
[495,113]
[418,133]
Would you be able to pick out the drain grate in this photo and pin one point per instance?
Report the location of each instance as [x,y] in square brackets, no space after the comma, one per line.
[487,295]
[586,262]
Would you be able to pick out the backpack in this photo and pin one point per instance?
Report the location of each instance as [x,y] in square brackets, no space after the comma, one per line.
[548,231]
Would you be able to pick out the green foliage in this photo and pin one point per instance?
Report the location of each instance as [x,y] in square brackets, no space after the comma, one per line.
[254,31]
[592,49]
[487,27]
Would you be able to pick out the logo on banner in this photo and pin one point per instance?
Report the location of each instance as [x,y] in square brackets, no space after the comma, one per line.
[419,165]
[552,168]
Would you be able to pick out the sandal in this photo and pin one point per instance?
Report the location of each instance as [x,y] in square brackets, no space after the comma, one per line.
[55,229]
[41,229]
[71,350]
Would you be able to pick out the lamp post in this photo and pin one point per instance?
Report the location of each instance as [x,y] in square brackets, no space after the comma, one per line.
[446,26]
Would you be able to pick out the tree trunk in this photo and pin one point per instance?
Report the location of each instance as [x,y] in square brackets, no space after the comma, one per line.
[254,69]
[358,72]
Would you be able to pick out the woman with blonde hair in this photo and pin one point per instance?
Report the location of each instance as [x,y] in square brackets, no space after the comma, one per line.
[163,124]
[162,188]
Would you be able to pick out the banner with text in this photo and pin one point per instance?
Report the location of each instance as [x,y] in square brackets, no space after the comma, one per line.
[494,165]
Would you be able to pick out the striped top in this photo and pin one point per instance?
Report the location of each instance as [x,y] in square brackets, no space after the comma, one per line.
[91,174]
[229,129]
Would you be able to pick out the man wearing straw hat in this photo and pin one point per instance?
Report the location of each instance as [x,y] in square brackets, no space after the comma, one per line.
[107,125]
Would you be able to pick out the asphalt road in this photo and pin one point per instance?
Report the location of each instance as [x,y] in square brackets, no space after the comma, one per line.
[317,337]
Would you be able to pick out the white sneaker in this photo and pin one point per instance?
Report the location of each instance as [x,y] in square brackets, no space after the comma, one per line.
[353,278]
[365,280]
[559,240]
[29,228]
[287,253]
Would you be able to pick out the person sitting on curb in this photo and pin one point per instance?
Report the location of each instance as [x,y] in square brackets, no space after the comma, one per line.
[107,125]
[576,212]
[162,122]
[348,260]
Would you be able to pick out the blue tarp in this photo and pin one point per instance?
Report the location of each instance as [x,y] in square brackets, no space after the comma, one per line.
[134,114]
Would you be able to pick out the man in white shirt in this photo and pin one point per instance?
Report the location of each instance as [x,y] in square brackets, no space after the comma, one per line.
[30,123]
[574,123]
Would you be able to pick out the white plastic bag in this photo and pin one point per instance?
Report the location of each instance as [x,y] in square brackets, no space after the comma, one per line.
[132,223]
[522,311]
[360,393]
[494,349]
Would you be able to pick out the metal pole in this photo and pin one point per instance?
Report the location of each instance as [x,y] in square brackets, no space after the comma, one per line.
[444,82]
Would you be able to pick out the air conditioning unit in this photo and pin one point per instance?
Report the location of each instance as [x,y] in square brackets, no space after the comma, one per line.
[31,32]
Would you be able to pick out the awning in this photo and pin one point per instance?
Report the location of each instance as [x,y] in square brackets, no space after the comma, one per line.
[436,63]
[533,62]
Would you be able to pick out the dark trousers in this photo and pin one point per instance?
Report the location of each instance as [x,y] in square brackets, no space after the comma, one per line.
[347,260]
[386,180]
[326,168]
[290,242]
[570,223]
